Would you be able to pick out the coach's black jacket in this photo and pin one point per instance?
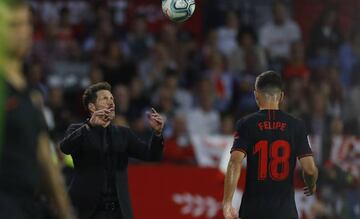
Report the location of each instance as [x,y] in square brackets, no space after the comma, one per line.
[85,148]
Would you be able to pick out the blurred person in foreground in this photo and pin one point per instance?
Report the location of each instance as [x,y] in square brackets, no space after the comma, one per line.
[272,140]
[100,151]
[25,157]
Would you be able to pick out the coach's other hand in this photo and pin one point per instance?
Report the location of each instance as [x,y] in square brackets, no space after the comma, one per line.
[156,121]
[230,212]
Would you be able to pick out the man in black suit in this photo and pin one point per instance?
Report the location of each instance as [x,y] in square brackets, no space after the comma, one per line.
[100,152]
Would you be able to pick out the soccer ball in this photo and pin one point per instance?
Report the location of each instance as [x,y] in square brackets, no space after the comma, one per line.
[178,10]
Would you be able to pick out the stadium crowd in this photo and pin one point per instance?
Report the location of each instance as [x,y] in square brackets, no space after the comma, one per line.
[200,73]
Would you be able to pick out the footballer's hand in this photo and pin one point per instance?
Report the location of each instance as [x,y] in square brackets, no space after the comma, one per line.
[308,191]
[99,118]
[230,212]
[156,121]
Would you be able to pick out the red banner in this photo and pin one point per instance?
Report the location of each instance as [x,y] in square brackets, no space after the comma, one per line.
[184,192]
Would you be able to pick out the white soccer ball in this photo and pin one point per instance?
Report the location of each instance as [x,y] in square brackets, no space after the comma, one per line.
[178,10]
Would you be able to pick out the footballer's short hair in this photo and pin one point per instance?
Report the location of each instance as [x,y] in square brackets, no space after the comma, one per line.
[269,82]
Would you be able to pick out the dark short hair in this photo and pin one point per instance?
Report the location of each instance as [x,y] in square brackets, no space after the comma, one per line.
[269,81]
[90,95]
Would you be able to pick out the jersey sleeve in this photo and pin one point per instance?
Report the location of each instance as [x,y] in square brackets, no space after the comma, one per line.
[303,149]
[241,142]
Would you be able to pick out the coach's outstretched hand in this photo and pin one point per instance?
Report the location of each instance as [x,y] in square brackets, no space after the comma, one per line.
[156,121]
[101,117]
[230,212]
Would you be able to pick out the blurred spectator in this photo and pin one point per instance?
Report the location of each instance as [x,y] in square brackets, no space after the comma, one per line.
[222,80]
[168,36]
[70,70]
[154,67]
[95,43]
[38,24]
[203,120]
[96,75]
[326,80]
[325,37]
[179,45]
[35,76]
[117,69]
[122,101]
[150,10]
[138,125]
[208,48]
[252,13]
[244,99]
[210,44]
[64,35]
[348,156]
[119,9]
[101,10]
[227,124]
[64,29]
[138,40]
[295,101]
[46,49]
[352,104]
[166,105]
[220,8]
[296,67]
[78,11]
[349,58]
[226,35]
[60,113]
[178,147]
[246,40]
[277,35]
[49,10]
[336,93]
[182,97]
[345,157]
[138,97]
[318,123]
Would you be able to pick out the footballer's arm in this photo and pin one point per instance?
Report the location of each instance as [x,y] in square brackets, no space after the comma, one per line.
[231,180]
[310,174]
